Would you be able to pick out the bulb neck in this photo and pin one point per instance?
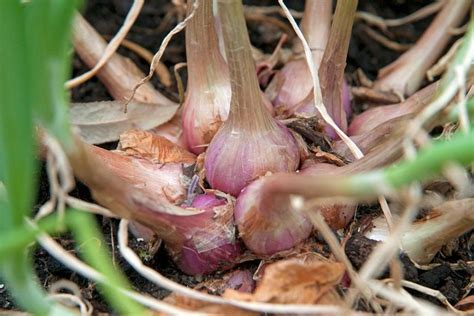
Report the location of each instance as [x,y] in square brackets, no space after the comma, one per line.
[247,111]
[206,66]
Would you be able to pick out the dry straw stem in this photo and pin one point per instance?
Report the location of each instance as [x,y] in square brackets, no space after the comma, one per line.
[119,74]
[156,58]
[68,300]
[161,70]
[59,174]
[157,278]
[383,24]
[450,85]
[111,47]
[430,292]
[403,299]
[405,75]
[323,228]
[73,298]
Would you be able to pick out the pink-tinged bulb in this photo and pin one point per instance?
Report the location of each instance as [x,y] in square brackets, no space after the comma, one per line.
[241,280]
[346,104]
[198,243]
[237,156]
[204,111]
[172,130]
[370,119]
[337,216]
[207,101]
[269,224]
[200,237]
[294,84]
[294,93]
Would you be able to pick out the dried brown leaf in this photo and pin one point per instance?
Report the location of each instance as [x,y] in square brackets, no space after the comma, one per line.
[153,147]
[294,281]
[466,304]
[100,122]
[205,307]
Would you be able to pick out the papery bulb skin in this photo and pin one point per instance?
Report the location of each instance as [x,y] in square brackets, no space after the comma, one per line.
[200,237]
[208,94]
[236,156]
[295,84]
[370,119]
[204,111]
[337,216]
[172,130]
[269,224]
[295,95]
[209,241]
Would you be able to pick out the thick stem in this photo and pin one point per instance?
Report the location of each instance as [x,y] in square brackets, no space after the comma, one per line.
[407,73]
[246,110]
[119,74]
[204,61]
[428,163]
[331,71]
[315,25]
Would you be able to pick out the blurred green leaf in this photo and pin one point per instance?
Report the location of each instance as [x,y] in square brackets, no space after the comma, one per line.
[16,122]
[94,250]
[48,29]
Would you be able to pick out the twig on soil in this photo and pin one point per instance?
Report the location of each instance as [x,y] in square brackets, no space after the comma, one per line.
[272,10]
[156,58]
[383,24]
[161,70]
[404,299]
[111,47]
[430,292]
[398,47]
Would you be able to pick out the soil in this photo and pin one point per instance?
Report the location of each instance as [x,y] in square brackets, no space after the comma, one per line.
[364,53]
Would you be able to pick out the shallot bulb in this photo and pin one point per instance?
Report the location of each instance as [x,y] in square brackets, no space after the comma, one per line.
[237,156]
[251,142]
[199,236]
[294,93]
[204,242]
[268,223]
